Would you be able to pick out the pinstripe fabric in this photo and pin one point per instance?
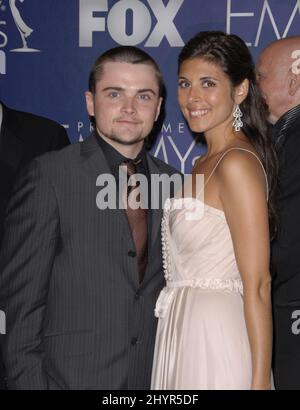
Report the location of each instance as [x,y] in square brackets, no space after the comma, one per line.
[284,125]
[77,317]
[285,255]
[23,136]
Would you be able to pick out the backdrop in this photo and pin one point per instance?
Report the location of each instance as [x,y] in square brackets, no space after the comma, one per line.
[48,46]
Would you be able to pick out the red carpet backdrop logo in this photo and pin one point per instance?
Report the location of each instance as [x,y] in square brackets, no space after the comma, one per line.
[24,30]
[144,26]
[71,34]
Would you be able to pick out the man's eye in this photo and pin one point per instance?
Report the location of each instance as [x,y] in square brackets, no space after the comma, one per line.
[183,84]
[144,97]
[114,94]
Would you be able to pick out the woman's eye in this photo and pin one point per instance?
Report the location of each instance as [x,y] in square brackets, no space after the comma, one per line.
[208,83]
[183,84]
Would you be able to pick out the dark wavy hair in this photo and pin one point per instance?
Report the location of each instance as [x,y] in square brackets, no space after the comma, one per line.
[231,53]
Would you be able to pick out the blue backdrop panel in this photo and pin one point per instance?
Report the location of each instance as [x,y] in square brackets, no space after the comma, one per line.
[47,48]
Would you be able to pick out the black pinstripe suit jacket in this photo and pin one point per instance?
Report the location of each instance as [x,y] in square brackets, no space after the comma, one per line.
[23,136]
[77,317]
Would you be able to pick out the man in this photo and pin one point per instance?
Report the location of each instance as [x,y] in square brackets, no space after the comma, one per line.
[23,136]
[279,79]
[78,298]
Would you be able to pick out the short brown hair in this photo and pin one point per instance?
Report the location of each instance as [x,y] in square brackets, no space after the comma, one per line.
[124,54]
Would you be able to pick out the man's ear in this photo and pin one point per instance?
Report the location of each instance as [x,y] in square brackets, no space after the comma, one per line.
[241,91]
[89,99]
[294,83]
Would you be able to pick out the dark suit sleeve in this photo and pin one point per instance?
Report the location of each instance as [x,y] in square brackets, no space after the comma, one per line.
[60,139]
[26,259]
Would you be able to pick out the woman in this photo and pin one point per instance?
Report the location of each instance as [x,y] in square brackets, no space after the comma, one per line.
[215,327]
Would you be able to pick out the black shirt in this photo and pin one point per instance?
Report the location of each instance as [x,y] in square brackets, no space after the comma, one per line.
[114,159]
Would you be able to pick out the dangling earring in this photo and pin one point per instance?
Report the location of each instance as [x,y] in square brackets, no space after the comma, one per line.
[237,123]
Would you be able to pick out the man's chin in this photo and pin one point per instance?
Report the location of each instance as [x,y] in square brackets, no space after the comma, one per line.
[128,141]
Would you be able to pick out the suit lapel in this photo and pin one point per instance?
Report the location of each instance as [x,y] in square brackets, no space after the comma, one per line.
[95,164]
[93,157]
[156,213]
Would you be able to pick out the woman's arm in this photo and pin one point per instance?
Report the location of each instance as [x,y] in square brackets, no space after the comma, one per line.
[242,190]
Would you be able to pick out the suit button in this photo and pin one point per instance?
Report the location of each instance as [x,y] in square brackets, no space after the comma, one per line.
[137,296]
[132,254]
[134,341]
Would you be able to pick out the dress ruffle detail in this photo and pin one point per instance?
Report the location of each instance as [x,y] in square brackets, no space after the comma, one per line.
[167,294]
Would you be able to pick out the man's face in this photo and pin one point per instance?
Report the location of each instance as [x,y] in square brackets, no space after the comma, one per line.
[273,78]
[126,103]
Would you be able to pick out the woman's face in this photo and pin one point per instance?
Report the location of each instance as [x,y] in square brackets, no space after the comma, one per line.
[205,96]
